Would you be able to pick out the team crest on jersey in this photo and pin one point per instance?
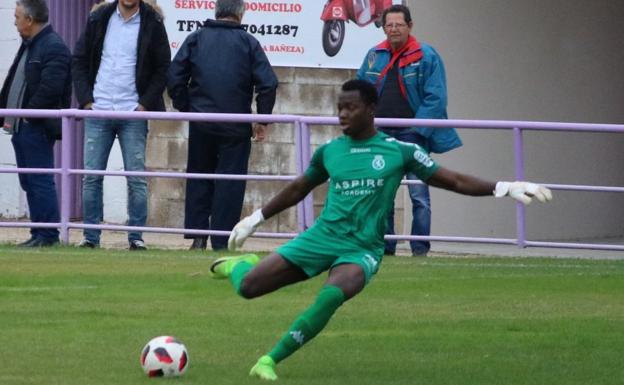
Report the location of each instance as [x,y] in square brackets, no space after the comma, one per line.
[378,162]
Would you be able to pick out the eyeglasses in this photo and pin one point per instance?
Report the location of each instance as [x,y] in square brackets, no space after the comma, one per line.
[395,25]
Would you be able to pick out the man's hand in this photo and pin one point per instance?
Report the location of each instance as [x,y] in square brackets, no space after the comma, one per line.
[259,132]
[244,229]
[523,191]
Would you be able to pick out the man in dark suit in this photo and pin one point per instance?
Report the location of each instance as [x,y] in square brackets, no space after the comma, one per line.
[220,68]
[40,78]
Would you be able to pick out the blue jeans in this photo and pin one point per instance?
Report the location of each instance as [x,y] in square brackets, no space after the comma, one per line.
[98,141]
[419,195]
[33,149]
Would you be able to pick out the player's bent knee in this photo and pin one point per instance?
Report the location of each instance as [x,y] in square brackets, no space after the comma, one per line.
[249,289]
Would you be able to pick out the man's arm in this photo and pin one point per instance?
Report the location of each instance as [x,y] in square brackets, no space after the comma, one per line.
[265,85]
[460,183]
[470,185]
[160,53]
[179,74]
[265,81]
[434,101]
[361,72]
[294,192]
[54,76]
[80,68]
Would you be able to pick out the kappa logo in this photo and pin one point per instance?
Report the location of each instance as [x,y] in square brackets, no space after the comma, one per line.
[423,158]
[298,336]
[370,262]
[378,162]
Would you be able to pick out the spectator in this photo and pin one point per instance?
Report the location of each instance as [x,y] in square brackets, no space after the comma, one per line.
[411,83]
[217,69]
[39,78]
[120,64]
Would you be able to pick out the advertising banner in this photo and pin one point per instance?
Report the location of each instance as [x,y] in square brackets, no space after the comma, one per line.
[293,33]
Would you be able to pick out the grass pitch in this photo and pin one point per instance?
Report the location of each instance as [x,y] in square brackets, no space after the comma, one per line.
[70,316]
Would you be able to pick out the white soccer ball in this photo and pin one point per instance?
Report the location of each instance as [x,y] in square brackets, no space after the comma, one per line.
[164,356]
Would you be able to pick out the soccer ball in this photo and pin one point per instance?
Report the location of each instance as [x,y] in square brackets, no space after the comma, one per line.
[164,356]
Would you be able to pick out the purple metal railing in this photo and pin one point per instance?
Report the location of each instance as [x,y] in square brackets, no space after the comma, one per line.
[305,209]
[519,168]
[68,18]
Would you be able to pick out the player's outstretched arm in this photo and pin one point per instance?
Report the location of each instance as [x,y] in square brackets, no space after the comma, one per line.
[294,192]
[470,185]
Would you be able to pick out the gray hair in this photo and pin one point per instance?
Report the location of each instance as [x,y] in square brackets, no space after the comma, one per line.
[230,8]
[36,9]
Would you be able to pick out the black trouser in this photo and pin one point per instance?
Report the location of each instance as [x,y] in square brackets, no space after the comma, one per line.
[215,204]
[33,149]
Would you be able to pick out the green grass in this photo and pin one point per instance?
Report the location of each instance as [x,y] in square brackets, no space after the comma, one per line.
[69,316]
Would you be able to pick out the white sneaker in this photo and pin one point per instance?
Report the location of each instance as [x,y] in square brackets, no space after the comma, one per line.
[86,244]
[137,244]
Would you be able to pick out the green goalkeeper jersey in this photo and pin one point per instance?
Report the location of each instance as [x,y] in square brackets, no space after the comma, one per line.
[363,178]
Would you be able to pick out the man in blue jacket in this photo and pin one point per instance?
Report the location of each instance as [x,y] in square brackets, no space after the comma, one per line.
[217,69]
[411,83]
[40,78]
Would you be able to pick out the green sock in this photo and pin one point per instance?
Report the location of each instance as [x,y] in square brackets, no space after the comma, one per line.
[239,272]
[309,323]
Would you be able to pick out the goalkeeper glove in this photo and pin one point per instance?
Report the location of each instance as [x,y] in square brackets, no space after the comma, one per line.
[522,191]
[244,229]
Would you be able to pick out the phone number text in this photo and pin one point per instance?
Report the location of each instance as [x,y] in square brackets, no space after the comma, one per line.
[268,29]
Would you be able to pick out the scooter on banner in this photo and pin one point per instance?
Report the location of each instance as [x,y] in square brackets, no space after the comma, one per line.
[361,12]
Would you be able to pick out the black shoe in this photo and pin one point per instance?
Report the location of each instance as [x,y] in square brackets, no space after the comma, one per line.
[43,242]
[389,252]
[27,243]
[137,244]
[199,243]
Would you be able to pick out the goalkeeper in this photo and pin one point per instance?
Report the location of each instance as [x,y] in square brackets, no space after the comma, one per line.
[364,168]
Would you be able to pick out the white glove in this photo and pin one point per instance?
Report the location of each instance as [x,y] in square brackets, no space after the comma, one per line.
[244,229]
[523,191]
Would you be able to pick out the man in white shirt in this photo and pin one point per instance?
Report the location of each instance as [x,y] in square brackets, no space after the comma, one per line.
[120,64]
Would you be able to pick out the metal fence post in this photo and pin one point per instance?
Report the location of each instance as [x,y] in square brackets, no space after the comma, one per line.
[519,171]
[308,201]
[66,193]
[301,215]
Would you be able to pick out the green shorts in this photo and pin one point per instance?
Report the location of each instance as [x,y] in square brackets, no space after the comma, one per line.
[314,251]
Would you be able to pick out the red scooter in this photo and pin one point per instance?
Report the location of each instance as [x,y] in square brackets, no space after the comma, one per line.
[336,12]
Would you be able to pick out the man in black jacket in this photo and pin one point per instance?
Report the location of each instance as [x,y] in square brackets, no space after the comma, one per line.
[217,69]
[120,64]
[40,78]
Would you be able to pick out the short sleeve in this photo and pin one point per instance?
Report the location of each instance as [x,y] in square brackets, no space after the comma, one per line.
[418,161]
[316,172]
